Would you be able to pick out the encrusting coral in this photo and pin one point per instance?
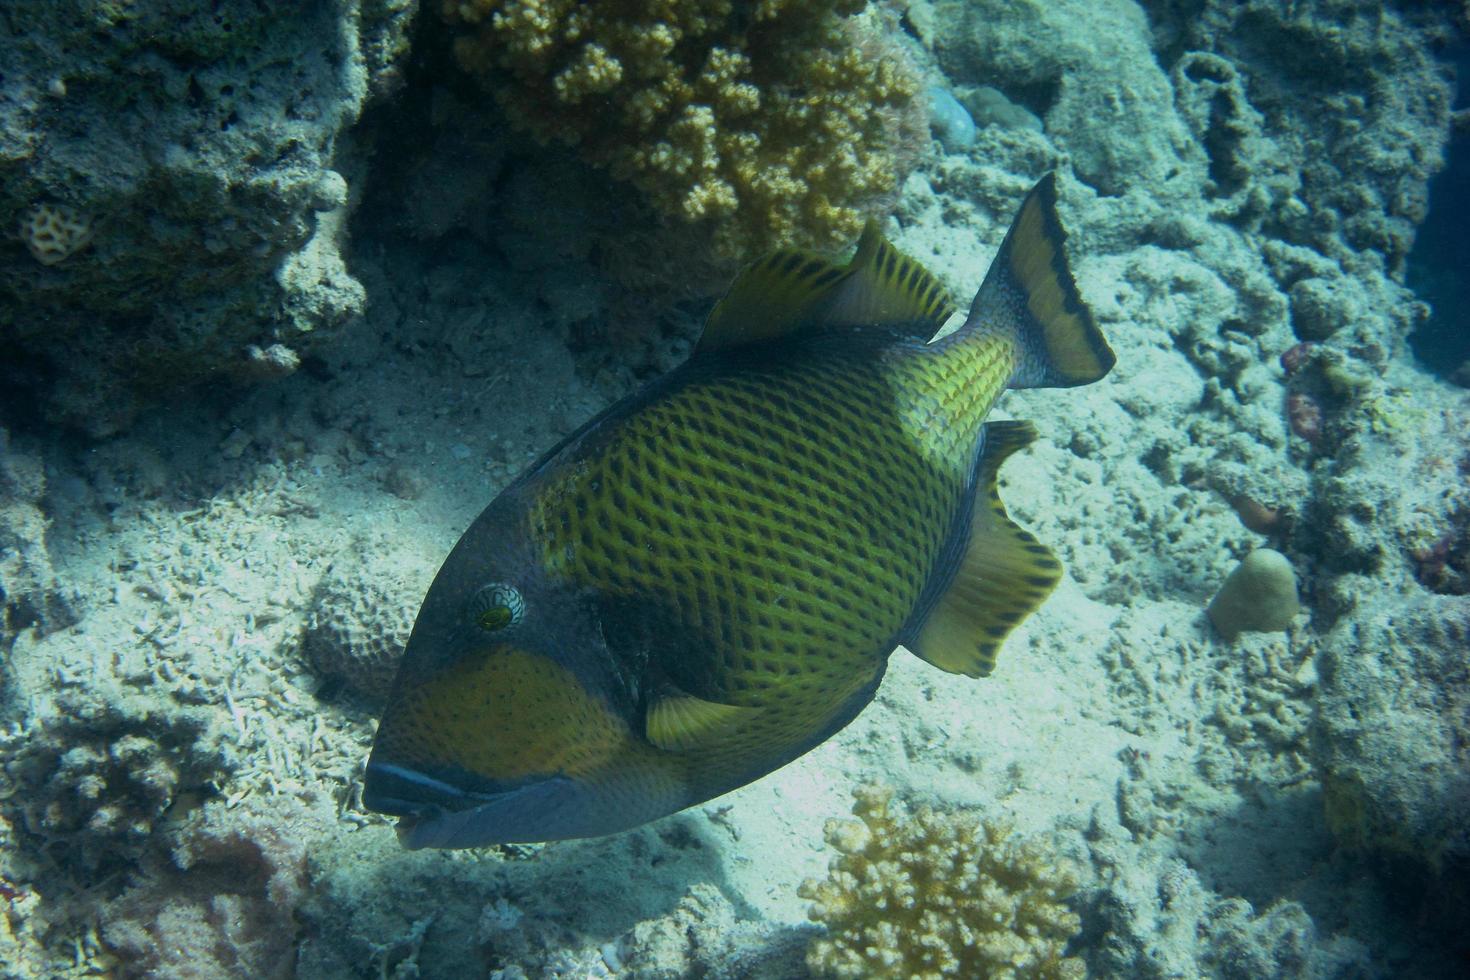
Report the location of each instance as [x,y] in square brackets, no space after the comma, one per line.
[54,234]
[775,123]
[221,903]
[926,895]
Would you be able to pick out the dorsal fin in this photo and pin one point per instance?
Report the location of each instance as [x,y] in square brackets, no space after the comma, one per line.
[789,290]
[1003,576]
[678,720]
[772,298]
[886,288]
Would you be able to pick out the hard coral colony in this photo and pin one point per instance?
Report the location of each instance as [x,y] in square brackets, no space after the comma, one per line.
[773,123]
[922,895]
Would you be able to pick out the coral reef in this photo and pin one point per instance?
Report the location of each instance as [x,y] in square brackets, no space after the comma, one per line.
[1239,180]
[363,611]
[779,124]
[926,895]
[30,593]
[96,786]
[1361,89]
[1036,53]
[1233,939]
[1390,738]
[195,149]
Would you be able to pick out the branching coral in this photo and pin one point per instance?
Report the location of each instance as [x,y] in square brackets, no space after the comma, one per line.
[773,123]
[927,895]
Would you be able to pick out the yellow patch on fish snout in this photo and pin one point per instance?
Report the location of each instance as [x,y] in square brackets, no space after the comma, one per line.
[508,715]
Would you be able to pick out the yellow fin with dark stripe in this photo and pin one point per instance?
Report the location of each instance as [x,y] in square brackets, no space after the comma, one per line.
[678,720]
[790,290]
[1004,575]
[888,289]
[1030,290]
[772,298]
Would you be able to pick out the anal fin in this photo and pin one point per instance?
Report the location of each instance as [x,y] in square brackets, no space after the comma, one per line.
[1003,575]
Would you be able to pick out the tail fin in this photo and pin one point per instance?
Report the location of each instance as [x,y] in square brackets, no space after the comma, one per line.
[1030,290]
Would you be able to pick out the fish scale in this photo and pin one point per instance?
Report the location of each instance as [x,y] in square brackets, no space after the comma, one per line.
[759,470]
[708,579]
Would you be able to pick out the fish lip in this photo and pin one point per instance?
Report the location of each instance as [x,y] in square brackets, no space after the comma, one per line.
[403,792]
[435,813]
[499,818]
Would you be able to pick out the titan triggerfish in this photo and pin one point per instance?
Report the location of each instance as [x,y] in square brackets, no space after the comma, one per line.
[707,580]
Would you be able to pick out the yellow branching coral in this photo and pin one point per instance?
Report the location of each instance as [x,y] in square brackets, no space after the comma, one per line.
[775,122]
[927,895]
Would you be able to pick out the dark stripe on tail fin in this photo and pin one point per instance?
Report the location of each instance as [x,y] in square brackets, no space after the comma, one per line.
[1030,290]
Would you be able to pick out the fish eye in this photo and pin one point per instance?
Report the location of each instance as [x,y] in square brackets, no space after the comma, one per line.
[497,606]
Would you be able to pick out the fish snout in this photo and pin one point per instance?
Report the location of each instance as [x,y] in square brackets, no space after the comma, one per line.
[508,746]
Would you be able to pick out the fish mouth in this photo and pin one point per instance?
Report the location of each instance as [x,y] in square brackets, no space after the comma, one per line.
[402,792]
[434,813]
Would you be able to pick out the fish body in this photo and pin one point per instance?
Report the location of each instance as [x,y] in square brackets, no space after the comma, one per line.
[707,580]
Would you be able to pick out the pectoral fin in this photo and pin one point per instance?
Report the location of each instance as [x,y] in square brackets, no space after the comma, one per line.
[678,720]
[1003,575]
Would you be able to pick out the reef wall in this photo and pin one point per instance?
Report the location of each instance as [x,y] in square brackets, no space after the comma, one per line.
[172,186]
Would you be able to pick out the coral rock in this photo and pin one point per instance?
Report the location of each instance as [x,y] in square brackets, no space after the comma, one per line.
[208,137]
[1260,594]
[365,608]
